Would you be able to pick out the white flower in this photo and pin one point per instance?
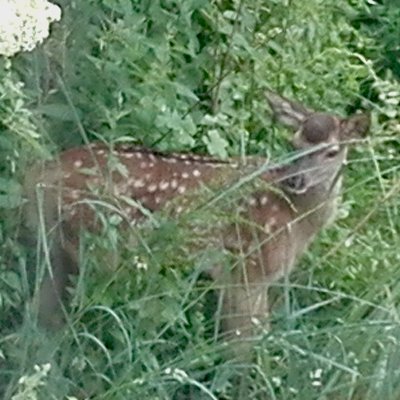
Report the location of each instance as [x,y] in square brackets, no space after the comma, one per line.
[139,264]
[277,381]
[24,24]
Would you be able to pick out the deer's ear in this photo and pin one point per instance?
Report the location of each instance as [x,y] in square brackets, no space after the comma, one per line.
[287,112]
[356,126]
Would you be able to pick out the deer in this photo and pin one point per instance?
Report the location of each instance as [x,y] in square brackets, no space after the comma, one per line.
[279,216]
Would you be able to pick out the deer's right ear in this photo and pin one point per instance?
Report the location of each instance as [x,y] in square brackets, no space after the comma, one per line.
[356,126]
[287,112]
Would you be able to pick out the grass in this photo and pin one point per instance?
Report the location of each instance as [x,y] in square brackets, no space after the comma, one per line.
[146,329]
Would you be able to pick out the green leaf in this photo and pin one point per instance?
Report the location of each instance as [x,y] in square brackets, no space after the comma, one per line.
[10,194]
[216,145]
[60,111]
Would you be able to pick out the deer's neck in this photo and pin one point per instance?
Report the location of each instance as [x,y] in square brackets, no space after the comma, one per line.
[318,205]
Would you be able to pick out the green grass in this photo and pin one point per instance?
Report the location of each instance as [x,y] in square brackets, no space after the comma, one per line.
[166,74]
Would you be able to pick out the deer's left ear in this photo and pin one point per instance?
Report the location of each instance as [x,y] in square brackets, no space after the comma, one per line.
[356,126]
[287,112]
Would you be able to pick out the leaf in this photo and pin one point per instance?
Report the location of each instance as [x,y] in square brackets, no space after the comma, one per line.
[216,145]
[231,15]
[12,280]
[10,194]
[185,91]
[61,112]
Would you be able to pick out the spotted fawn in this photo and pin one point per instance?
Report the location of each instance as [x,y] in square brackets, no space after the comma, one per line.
[278,218]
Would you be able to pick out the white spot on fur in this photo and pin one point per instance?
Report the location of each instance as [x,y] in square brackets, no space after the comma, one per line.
[264,200]
[138,183]
[78,163]
[128,155]
[196,173]
[213,165]
[174,184]
[75,194]
[143,165]
[181,189]
[152,188]
[275,208]
[185,175]
[164,185]
[252,201]
[272,221]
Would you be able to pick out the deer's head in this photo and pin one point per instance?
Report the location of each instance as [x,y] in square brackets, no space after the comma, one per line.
[321,139]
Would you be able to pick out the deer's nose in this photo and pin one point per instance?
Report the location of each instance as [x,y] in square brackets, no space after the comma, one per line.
[296,183]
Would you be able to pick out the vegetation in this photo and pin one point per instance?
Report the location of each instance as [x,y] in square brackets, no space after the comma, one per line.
[189,75]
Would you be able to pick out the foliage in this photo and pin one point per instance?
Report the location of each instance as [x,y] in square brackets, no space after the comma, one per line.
[28,385]
[190,75]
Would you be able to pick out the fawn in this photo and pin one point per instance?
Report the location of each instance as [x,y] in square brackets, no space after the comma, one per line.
[282,219]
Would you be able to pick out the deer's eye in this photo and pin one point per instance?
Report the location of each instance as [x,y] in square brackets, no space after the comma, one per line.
[333,152]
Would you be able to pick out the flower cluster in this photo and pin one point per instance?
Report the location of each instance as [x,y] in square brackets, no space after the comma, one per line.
[24,24]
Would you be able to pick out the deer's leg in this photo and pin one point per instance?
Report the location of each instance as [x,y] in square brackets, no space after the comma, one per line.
[244,313]
[53,292]
[245,308]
